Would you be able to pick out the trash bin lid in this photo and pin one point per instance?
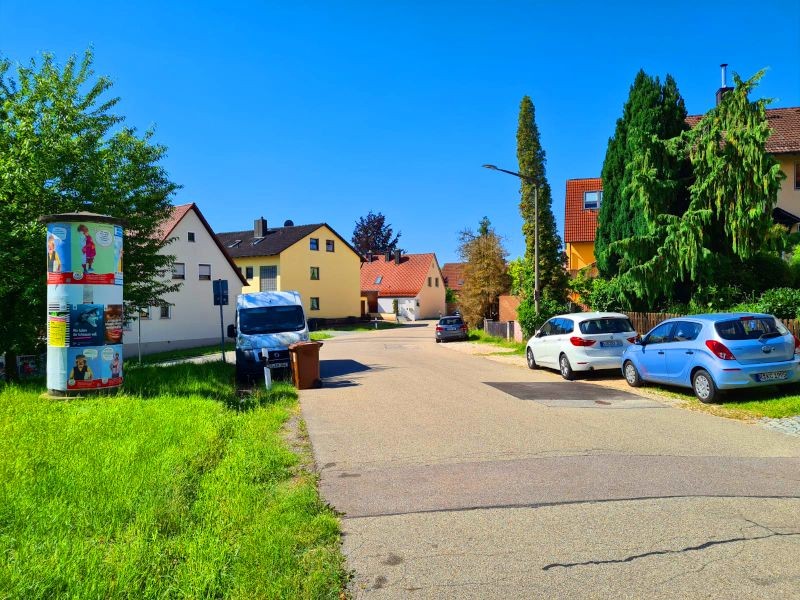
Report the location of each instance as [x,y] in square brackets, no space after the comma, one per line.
[298,345]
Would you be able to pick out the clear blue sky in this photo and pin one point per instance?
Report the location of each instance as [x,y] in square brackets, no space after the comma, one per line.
[322,111]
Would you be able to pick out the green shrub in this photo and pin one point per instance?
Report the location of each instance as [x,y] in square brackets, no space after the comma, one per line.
[529,320]
[784,303]
[607,295]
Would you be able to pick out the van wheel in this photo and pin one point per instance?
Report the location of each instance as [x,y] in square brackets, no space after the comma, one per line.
[631,374]
[531,360]
[565,368]
[704,387]
[241,376]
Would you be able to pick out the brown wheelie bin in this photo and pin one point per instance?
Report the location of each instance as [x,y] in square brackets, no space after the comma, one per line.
[304,358]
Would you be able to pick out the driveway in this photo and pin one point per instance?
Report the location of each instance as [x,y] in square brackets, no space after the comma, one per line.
[461,477]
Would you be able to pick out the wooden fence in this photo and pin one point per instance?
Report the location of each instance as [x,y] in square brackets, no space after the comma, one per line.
[644,321]
[503,329]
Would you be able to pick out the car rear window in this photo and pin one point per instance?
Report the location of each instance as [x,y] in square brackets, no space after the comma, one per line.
[606,325]
[451,321]
[749,328]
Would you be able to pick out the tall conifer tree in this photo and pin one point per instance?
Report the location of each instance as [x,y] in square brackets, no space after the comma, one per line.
[531,158]
[652,109]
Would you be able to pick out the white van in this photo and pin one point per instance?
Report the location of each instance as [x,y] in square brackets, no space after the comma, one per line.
[267,323]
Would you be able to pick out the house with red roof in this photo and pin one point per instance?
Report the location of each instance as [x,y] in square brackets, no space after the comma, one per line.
[414,281]
[189,317]
[583,199]
[453,274]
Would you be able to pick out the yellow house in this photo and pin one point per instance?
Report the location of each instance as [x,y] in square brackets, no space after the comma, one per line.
[311,259]
[581,206]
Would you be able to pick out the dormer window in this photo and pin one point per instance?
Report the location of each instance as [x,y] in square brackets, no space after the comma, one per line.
[592,200]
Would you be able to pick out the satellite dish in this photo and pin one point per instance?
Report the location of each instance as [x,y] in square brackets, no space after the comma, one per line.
[288,223]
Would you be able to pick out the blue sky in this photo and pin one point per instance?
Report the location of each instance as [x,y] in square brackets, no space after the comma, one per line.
[322,111]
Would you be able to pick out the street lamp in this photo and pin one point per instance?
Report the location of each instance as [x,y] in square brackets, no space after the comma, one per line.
[530,180]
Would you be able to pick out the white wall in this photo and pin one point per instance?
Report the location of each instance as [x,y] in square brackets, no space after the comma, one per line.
[407,307]
[194,320]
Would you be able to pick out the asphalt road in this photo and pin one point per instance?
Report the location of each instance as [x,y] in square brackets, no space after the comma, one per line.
[461,477]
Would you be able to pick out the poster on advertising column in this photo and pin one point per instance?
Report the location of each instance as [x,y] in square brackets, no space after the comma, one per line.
[84,253]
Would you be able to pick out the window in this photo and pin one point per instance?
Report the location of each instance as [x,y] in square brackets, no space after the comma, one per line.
[437,282]
[313,243]
[562,326]
[686,332]
[144,313]
[592,200]
[269,279]
[606,325]
[429,282]
[329,245]
[314,303]
[190,236]
[660,334]
[166,311]
[248,272]
[178,271]
[378,279]
[314,273]
[797,175]
[205,272]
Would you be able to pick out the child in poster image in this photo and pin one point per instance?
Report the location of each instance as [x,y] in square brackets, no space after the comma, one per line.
[115,366]
[87,248]
[81,371]
[53,260]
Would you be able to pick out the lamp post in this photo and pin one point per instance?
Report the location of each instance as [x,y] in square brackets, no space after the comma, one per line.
[530,180]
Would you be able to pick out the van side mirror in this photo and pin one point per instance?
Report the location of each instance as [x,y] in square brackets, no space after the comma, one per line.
[231,331]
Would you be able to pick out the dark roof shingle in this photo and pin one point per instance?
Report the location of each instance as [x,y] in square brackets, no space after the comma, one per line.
[785,124]
[241,244]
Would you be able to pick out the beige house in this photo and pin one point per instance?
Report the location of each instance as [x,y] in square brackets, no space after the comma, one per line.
[311,259]
[413,281]
[190,318]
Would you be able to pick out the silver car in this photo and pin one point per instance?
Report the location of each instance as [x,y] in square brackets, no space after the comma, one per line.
[451,328]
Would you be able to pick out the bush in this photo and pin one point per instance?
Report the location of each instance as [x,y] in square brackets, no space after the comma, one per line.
[784,303]
[529,320]
[607,295]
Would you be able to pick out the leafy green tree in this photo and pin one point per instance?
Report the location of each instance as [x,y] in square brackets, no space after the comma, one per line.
[62,149]
[373,234]
[485,276]
[531,158]
[652,111]
[728,220]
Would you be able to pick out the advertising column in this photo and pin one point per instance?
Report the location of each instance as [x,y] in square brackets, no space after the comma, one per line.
[84,302]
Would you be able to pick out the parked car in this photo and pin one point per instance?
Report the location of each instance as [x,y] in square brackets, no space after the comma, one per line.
[580,342]
[714,352]
[451,328]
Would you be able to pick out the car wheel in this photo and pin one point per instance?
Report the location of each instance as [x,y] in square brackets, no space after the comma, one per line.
[631,374]
[704,387]
[565,368]
[531,360]
[438,340]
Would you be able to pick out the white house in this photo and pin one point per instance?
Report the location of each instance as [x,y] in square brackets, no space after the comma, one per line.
[190,319]
[413,280]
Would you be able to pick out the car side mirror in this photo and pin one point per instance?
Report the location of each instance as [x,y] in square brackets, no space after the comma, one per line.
[231,331]
[538,333]
[640,341]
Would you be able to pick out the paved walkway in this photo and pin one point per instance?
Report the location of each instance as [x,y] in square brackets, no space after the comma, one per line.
[460,477]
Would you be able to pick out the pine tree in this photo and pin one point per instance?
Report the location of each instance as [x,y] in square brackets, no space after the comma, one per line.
[531,158]
[728,218]
[652,110]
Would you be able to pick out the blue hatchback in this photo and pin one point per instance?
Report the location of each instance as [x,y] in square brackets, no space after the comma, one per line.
[715,352]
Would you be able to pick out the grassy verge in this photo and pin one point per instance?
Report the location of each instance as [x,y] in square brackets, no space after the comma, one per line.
[476,335]
[320,335]
[158,357]
[177,488]
[773,401]
[363,326]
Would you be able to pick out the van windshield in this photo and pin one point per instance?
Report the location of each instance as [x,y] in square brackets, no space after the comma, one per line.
[271,319]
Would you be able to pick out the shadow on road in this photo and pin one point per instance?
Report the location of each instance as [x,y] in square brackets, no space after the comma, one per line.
[333,372]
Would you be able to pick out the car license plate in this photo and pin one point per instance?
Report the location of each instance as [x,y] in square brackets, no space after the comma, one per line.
[774,376]
[611,344]
[279,365]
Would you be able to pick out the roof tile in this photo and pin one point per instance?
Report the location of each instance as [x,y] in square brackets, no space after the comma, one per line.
[403,280]
[580,224]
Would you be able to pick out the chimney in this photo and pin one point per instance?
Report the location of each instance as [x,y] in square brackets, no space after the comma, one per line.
[260,227]
[724,89]
[388,256]
[397,257]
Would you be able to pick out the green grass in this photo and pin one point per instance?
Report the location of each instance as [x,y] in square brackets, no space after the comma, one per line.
[174,489]
[773,401]
[320,335]
[363,326]
[151,359]
[476,335]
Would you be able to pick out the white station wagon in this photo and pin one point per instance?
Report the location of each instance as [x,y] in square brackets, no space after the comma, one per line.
[581,342]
